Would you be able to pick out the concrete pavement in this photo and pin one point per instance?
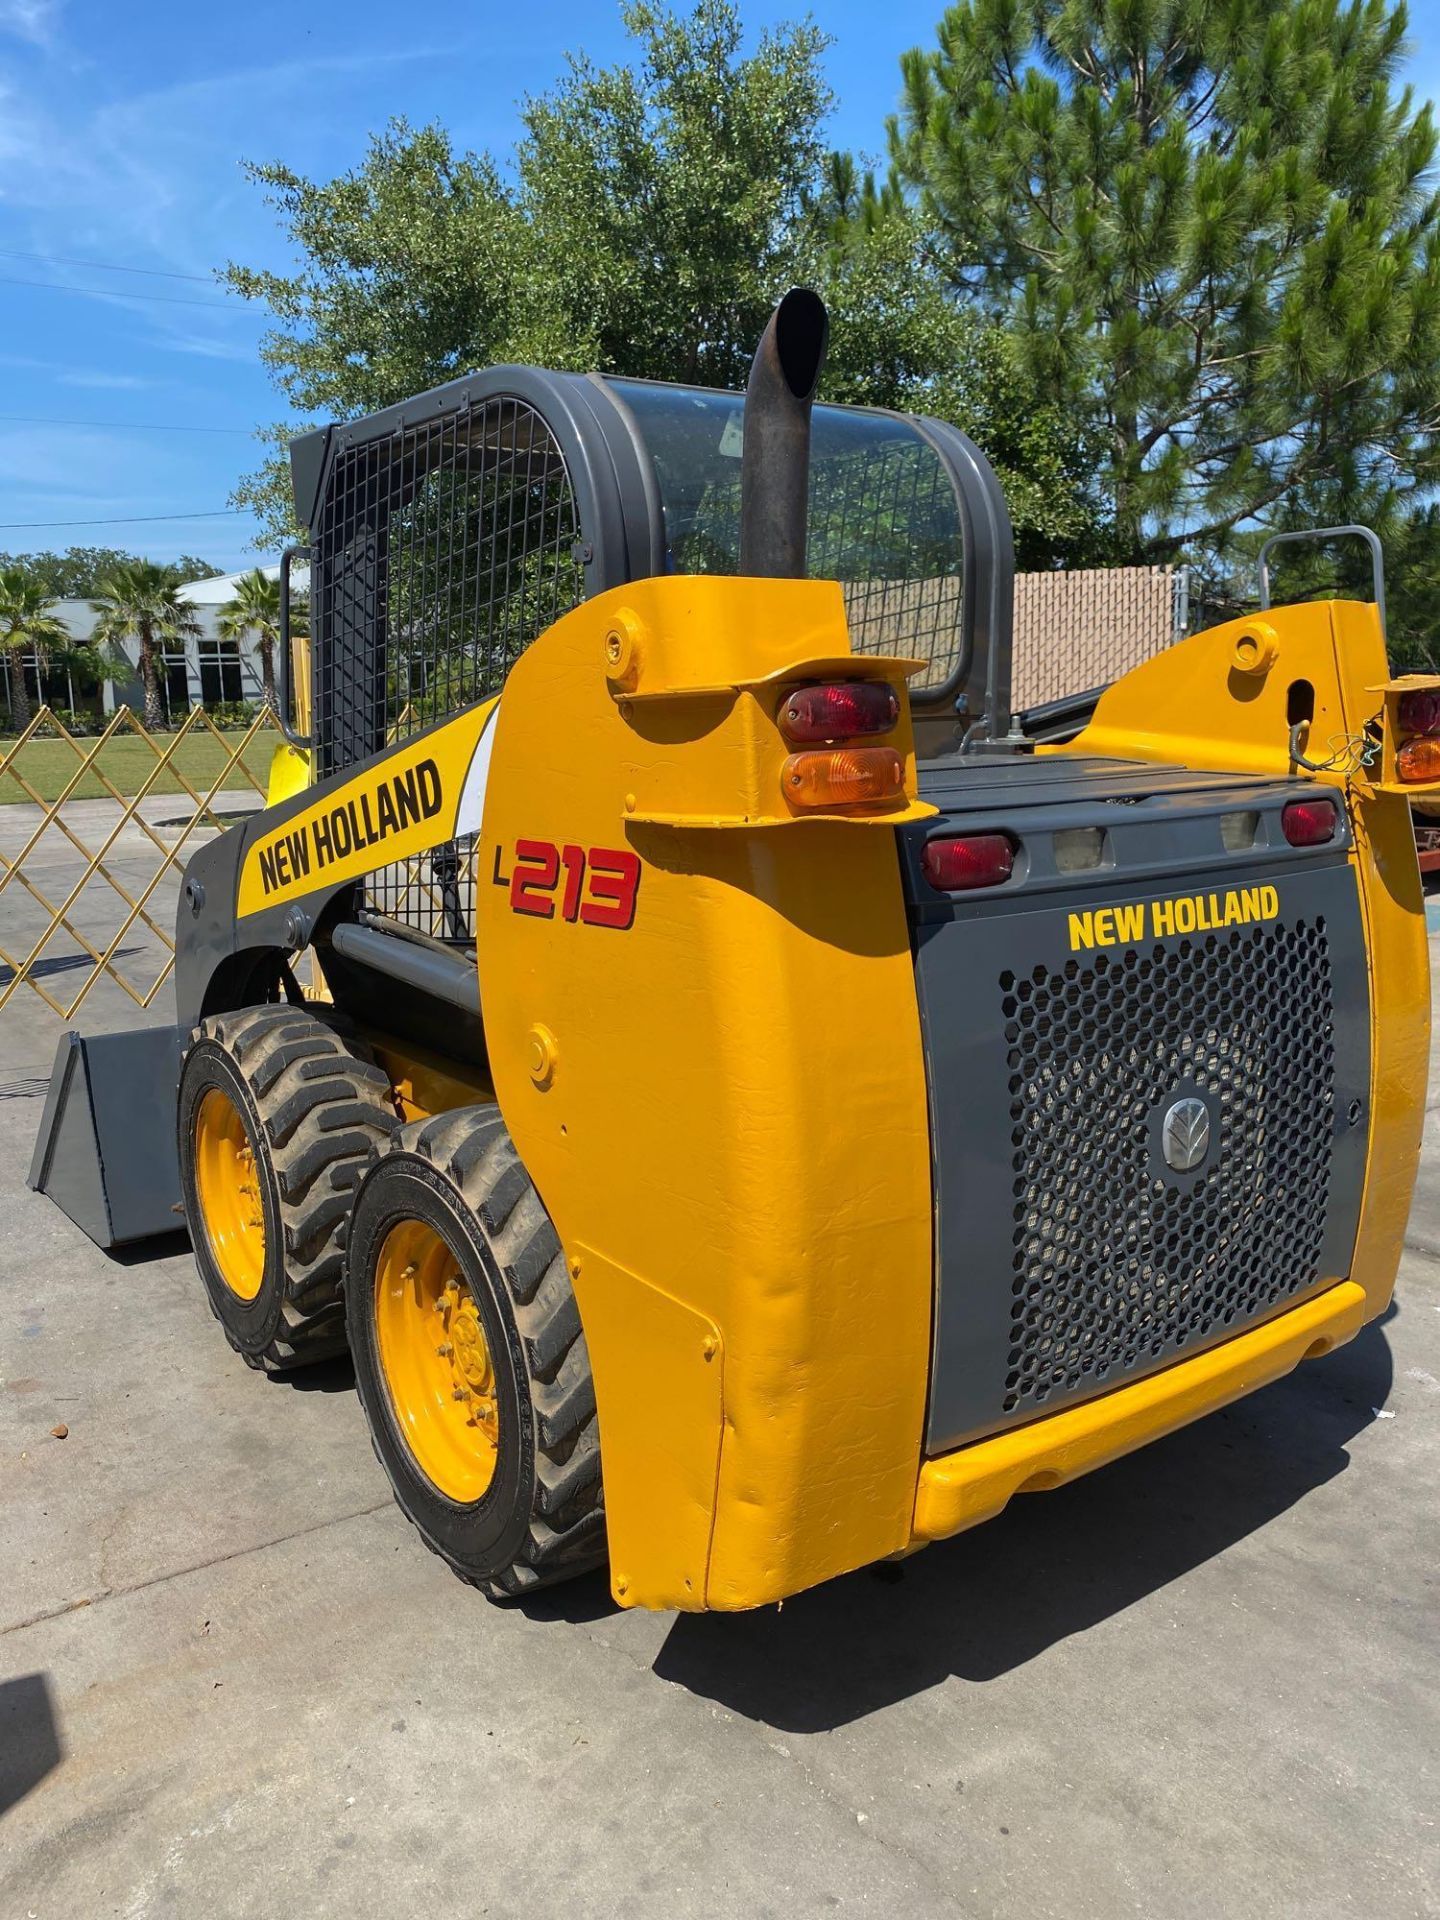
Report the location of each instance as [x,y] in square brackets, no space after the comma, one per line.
[1200,1682]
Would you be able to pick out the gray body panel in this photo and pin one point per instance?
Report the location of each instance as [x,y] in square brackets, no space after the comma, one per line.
[206,931]
[1069,1257]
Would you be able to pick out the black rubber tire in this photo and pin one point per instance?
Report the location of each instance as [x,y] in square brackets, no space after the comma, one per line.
[313,1106]
[542,1518]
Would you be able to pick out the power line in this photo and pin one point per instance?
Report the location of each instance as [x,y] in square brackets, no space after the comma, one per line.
[119,426]
[105,266]
[122,293]
[131,520]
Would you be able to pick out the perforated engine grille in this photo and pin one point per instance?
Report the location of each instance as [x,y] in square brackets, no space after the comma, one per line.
[1117,1262]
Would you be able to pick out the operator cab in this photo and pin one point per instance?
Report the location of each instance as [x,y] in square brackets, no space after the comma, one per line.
[449,531]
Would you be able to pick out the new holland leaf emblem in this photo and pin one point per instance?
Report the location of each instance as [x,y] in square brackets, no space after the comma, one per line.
[1185,1134]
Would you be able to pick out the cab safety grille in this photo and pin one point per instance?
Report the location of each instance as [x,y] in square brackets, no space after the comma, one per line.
[441,551]
[1119,1263]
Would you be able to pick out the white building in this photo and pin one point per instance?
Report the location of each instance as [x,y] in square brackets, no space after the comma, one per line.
[202,670]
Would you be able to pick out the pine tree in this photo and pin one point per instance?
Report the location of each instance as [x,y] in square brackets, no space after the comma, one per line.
[1212,224]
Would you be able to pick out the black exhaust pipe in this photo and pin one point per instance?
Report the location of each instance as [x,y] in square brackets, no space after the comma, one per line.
[775,462]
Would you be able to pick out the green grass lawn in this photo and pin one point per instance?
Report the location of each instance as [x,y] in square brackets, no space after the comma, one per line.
[48,764]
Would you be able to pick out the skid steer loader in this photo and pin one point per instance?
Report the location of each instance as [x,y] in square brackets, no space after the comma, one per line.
[760,1103]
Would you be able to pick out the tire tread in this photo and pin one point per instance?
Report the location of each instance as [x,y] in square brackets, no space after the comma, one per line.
[566,1534]
[324,1106]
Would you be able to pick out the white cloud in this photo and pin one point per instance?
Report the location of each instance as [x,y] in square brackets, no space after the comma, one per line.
[95,470]
[32,20]
[66,375]
[209,347]
[154,177]
[86,377]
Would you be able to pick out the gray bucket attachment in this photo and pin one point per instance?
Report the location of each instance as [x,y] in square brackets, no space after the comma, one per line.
[106,1153]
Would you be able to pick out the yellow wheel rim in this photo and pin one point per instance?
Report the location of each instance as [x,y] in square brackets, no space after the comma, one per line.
[436,1361]
[228,1184]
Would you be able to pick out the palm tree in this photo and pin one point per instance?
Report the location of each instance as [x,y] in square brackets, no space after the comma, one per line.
[255,609]
[25,627]
[141,601]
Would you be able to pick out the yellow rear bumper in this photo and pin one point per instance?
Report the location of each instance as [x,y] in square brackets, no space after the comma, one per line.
[959,1489]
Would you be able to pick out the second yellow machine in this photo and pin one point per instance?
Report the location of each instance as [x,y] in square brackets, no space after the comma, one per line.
[768,1104]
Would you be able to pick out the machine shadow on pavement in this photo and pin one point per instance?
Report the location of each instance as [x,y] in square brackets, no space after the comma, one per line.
[157,1246]
[336,1375]
[997,1597]
[30,1746]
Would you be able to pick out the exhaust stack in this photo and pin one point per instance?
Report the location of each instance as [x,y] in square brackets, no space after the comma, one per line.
[775,463]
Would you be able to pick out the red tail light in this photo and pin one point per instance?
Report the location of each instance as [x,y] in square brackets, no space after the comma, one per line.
[1309,823]
[846,711]
[978,860]
[1419,712]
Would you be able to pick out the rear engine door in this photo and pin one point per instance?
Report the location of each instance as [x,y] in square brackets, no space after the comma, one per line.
[1148,1059]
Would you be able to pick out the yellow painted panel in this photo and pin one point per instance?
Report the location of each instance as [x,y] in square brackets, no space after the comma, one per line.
[659,1373]
[300,680]
[729,1102]
[1398,956]
[959,1489]
[1193,704]
[289,774]
[770,627]
[424,1083]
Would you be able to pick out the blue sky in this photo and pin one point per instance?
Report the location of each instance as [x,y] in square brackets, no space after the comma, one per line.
[122,127]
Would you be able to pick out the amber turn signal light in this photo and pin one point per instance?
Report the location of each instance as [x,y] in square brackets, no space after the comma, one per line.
[1419,759]
[845,711]
[844,777]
